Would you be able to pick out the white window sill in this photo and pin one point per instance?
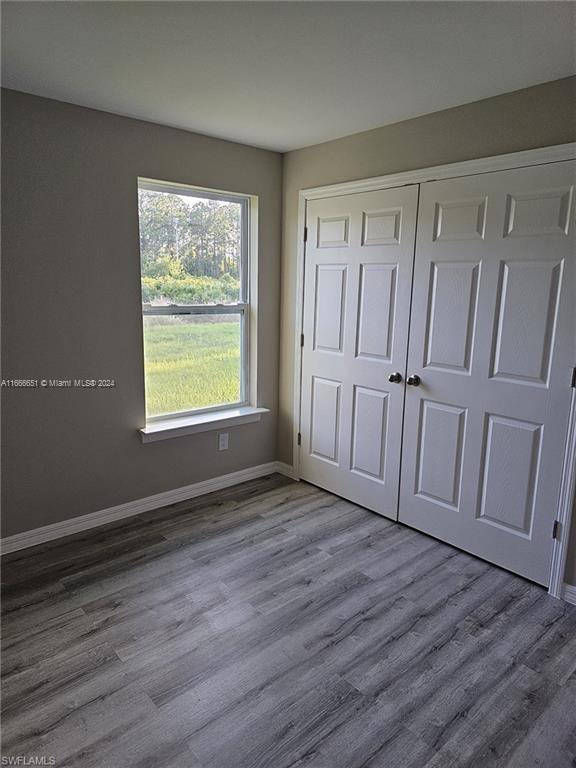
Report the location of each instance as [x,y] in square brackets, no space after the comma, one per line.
[202,422]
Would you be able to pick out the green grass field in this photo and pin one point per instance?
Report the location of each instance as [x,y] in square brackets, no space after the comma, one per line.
[191,363]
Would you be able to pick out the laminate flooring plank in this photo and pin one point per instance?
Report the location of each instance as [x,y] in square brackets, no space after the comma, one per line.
[150,742]
[82,728]
[487,666]
[41,685]
[264,590]
[161,562]
[494,725]
[465,670]
[367,742]
[233,648]
[285,732]
[406,624]
[183,582]
[35,608]
[554,653]
[200,522]
[70,559]
[139,632]
[384,663]
[239,691]
[274,625]
[67,633]
[551,741]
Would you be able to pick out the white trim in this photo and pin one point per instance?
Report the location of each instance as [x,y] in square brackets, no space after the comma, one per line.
[182,188]
[136,507]
[285,469]
[531,157]
[565,506]
[170,418]
[190,424]
[569,593]
[246,307]
[250,363]
[299,325]
[554,154]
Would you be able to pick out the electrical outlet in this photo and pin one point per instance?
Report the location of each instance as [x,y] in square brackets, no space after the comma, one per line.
[223,441]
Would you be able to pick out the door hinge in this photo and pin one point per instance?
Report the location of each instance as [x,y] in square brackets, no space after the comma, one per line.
[299,438]
[556,529]
[573,378]
[305,234]
[301,339]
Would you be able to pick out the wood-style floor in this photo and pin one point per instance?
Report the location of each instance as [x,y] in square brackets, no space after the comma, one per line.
[274,625]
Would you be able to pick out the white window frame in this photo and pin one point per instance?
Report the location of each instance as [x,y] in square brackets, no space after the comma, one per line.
[245,307]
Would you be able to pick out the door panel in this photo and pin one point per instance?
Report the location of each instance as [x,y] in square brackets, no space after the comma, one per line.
[452,305]
[527,317]
[493,338]
[358,277]
[325,430]
[369,432]
[376,311]
[441,437]
[329,307]
[510,459]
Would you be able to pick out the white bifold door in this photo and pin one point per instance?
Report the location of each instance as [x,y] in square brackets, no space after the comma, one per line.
[358,279]
[492,338]
[436,369]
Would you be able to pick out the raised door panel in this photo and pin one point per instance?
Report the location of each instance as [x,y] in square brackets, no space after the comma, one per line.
[381,227]
[329,307]
[462,219]
[452,302]
[509,469]
[369,428]
[325,426]
[376,311]
[538,212]
[439,463]
[526,321]
[333,232]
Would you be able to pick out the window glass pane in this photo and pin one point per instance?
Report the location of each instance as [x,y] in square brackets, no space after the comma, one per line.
[191,361]
[190,249]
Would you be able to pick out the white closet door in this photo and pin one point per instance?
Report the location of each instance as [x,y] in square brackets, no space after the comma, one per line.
[492,338]
[358,276]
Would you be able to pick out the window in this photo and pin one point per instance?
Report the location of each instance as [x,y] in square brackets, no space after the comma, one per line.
[195,298]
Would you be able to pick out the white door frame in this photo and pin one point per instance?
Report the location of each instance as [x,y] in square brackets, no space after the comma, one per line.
[543,155]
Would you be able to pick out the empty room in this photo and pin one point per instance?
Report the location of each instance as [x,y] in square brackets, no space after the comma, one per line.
[288,384]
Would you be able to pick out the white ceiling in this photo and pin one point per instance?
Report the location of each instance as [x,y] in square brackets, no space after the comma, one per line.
[282,75]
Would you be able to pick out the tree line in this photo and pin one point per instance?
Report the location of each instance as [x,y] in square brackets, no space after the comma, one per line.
[189,252]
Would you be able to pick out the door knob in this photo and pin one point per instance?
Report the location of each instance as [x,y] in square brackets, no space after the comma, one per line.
[395,378]
[414,380]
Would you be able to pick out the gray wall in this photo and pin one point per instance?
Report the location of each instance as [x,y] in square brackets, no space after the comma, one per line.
[534,117]
[71,292]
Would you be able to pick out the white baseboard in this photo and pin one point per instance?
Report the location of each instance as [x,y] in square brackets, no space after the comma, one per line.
[137,507]
[569,593]
[286,469]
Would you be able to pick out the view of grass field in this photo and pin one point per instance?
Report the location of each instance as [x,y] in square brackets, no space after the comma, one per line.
[191,362]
